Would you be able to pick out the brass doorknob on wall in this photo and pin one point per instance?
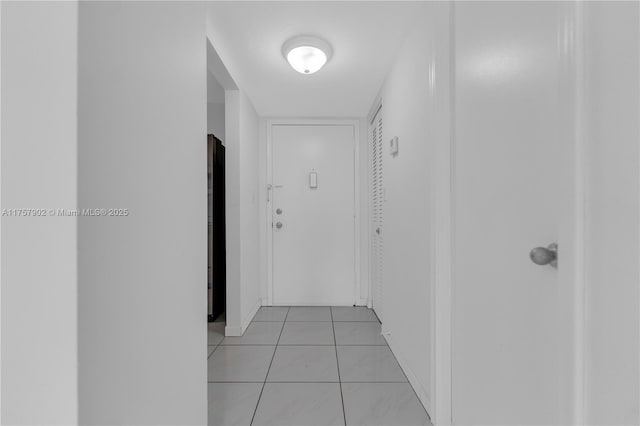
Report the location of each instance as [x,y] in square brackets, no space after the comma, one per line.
[545,255]
[278,225]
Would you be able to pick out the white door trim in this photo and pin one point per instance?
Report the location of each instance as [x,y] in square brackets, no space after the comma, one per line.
[442,261]
[355,124]
[576,72]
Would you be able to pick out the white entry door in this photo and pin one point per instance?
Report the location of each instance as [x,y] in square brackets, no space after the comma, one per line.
[515,350]
[313,210]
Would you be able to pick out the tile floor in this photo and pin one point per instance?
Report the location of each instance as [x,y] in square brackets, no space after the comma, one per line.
[308,366]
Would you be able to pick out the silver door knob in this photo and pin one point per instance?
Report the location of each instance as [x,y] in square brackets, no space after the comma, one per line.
[545,255]
[278,225]
[278,211]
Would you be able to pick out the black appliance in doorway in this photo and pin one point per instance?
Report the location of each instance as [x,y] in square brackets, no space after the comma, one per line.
[217,236]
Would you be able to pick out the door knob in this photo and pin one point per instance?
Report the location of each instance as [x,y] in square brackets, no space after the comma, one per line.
[378,231]
[278,225]
[278,211]
[545,255]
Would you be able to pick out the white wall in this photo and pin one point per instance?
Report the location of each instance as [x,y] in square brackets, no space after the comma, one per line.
[408,113]
[215,120]
[242,209]
[249,215]
[612,118]
[233,312]
[142,278]
[242,214]
[215,91]
[39,269]
[362,180]
[215,107]
[263,226]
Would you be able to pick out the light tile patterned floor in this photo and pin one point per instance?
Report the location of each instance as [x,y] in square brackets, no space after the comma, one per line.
[308,366]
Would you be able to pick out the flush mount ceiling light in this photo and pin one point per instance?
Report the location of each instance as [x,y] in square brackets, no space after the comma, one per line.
[306,54]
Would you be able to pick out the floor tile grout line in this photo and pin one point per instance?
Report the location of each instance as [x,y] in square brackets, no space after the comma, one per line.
[301,344]
[275,349]
[214,349]
[293,382]
[298,344]
[306,381]
[344,412]
[340,381]
[290,344]
[217,344]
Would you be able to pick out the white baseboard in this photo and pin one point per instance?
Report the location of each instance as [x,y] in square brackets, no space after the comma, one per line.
[422,393]
[252,313]
[235,330]
[298,303]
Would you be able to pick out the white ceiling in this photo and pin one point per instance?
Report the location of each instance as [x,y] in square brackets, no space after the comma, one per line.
[365,36]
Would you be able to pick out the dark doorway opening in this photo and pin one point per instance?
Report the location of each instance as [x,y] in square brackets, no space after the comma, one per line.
[217,236]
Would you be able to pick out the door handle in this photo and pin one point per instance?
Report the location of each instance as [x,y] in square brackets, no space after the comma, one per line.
[278,225]
[545,255]
[378,230]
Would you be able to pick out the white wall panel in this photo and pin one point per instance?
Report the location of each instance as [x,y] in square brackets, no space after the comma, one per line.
[612,129]
[142,278]
[408,113]
[39,254]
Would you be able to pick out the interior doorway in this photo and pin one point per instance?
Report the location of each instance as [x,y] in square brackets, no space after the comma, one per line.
[216,189]
[217,259]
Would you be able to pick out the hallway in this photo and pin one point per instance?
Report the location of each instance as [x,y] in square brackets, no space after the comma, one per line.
[308,366]
[469,170]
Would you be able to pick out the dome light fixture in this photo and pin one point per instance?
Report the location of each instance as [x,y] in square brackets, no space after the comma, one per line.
[306,54]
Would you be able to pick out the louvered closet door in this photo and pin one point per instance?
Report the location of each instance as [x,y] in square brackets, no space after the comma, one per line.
[377,201]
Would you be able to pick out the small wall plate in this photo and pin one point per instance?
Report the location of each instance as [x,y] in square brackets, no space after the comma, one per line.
[393,146]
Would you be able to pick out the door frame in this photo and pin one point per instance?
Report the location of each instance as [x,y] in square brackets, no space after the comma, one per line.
[355,124]
[442,197]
